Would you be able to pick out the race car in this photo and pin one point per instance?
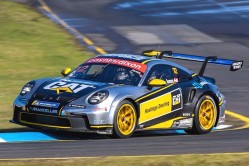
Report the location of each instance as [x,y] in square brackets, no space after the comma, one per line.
[118,94]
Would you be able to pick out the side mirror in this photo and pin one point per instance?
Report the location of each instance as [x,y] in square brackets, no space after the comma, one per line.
[65,71]
[156,83]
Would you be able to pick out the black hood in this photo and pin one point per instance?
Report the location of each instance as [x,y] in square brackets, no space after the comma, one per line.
[74,87]
[53,95]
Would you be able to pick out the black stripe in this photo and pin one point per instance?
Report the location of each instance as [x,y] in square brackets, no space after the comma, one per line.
[157,94]
[160,119]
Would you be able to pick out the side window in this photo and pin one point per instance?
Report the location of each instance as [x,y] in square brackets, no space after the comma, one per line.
[181,75]
[163,72]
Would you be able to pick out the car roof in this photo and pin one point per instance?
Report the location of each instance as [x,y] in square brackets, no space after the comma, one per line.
[149,61]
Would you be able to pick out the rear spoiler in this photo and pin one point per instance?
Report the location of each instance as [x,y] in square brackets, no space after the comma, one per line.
[234,65]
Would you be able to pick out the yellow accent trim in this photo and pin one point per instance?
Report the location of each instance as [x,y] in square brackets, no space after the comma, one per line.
[100,50]
[154,92]
[146,61]
[39,124]
[60,111]
[166,124]
[194,75]
[104,126]
[157,82]
[241,117]
[221,102]
[64,89]
[66,71]
[34,102]
[152,53]
[175,70]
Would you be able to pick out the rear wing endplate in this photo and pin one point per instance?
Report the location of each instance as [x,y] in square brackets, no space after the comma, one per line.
[234,64]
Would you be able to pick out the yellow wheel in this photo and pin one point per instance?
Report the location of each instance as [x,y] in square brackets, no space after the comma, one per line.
[207,113]
[205,116]
[125,120]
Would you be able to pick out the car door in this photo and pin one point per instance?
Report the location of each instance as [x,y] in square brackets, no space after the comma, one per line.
[157,107]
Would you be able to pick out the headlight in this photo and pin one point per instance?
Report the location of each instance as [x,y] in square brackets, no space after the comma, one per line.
[27,88]
[98,97]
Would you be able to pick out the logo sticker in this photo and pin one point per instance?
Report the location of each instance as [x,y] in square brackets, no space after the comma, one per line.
[46,104]
[61,87]
[176,99]
[133,65]
[175,70]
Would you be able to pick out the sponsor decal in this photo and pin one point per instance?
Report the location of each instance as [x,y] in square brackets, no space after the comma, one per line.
[77,106]
[45,110]
[134,57]
[170,81]
[155,108]
[176,80]
[176,99]
[186,114]
[184,123]
[197,85]
[100,109]
[133,65]
[236,65]
[137,72]
[82,68]
[175,70]
[67,87]
[100,121]
[45,104]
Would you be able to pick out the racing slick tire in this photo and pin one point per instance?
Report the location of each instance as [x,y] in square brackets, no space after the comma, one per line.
[204,116]
[125,120]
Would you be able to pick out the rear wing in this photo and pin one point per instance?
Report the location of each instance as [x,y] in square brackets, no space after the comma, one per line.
[234,65]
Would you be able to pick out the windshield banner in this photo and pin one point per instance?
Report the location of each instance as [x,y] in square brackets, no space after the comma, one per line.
[133,65]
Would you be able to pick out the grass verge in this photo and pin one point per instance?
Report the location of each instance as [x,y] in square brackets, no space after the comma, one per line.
[225,159]
[31,47]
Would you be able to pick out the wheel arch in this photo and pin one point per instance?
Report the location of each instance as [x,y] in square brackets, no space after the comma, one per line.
[116,102]
[135,105]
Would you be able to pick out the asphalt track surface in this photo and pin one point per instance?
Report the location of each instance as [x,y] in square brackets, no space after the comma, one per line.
[204,27]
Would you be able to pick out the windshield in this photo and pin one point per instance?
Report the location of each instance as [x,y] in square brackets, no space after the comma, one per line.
[108,72]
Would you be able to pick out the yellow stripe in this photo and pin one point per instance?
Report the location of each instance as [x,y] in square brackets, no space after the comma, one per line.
[194,75]
[238,116]
[221,103]
[144,62]
[104,126]
[38,124]
[100,50]
[153,92]
[87,40]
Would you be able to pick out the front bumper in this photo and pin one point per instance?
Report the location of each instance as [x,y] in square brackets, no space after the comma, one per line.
[77,123]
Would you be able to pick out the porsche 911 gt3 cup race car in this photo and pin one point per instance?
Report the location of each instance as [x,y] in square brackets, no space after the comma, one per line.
[118,94]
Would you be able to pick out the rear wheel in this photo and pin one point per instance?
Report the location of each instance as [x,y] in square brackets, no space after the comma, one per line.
[125,120]
[204,117]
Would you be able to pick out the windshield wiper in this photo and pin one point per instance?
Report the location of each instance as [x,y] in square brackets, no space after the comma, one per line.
[98,71]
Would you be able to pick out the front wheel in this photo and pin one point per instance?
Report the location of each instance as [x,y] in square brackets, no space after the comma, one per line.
[204,117]
[125,120]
